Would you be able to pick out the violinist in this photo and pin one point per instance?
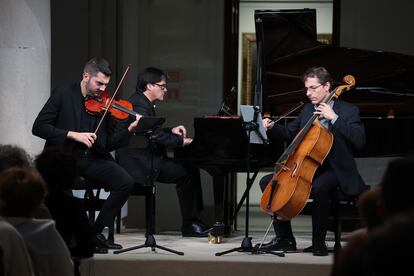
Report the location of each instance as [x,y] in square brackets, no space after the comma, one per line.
[152,88]
[64,120]
[337,171]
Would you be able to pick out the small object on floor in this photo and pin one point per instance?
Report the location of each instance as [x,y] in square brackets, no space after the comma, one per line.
[216,234]
[214,239]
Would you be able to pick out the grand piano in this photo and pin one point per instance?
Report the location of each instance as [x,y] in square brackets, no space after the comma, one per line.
[286,46]
[221,147]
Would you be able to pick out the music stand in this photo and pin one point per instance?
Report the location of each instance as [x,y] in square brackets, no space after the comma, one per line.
[148,127]
[252,123]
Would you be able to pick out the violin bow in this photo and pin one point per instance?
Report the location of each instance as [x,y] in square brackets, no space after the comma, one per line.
[112,99]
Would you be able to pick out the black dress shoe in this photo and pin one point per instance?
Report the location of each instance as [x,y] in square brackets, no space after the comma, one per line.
[195,229]
[279,244]
[317,250]
[102,242]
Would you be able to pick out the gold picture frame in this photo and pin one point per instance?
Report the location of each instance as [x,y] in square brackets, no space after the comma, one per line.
[249,64]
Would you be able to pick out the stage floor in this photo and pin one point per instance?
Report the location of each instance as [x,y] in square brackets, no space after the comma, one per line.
[199,257]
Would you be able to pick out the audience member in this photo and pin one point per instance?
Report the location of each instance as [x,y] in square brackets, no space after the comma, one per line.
[14,258]
[382,208]
[22,190]
[397,186]
[387,249]
[59,169]
[15,156]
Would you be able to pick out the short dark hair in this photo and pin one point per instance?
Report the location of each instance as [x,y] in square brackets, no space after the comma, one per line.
[22,191]
[149,75]
[318,72]
[96,65]
[13,156]
[58,167]
[397,186]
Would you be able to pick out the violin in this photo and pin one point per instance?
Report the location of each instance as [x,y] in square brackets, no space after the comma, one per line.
[104,104]
[118,109]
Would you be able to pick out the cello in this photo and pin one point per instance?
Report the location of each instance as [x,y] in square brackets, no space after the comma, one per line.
[289,189]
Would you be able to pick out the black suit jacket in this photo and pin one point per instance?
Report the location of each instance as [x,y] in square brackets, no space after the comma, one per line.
[349,135]
[62,113]
[137,161]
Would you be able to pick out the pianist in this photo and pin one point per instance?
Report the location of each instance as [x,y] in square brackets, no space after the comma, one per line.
[339,168]
[152,87]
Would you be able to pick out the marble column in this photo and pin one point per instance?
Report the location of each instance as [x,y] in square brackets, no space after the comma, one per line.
[24,69]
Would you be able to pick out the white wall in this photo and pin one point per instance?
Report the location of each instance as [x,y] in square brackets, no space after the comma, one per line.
[24,69]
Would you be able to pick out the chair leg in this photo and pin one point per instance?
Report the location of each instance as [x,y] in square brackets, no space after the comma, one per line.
[111,233]
[118,222]
[337,226]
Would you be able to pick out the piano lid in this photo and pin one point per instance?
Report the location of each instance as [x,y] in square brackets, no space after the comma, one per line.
[287,46]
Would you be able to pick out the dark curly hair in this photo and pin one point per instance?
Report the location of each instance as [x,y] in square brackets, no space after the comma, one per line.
[13,156]
[58,167]
[22,191]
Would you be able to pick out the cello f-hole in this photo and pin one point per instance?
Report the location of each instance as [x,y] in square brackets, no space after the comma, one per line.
[294,169]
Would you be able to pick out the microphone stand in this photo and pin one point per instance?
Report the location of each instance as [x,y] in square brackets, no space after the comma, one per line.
[246,245]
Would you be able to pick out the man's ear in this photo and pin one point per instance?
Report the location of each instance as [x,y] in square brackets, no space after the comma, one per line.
[85,76]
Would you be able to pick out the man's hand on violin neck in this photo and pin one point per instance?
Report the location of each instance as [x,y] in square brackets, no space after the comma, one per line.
[86,138]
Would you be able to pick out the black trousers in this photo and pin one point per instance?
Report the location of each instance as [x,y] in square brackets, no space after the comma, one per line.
[115,179]
[188,186]
[324,188]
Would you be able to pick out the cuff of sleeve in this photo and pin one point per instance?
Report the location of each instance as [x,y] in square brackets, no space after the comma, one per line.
[334,119]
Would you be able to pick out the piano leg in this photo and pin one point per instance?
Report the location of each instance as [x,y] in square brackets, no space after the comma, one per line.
[223,197]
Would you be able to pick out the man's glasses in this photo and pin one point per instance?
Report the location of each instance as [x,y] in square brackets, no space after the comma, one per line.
[313,88]
[162,86]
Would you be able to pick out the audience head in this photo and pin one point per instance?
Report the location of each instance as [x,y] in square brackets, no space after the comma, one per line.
[13,156]
[22,191]
[387,250]
[58,167]
[397,186]
[370,207]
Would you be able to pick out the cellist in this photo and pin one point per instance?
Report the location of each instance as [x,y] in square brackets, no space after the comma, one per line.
[339,169]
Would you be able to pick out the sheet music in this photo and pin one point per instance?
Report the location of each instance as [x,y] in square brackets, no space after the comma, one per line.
[247,112]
